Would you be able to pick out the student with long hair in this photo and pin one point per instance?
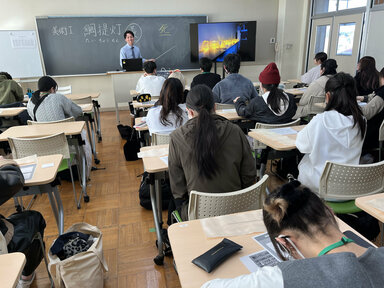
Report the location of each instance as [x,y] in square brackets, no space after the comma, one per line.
[170,111]
[316,88]
[367,76]
[208,153]
[274,106]
[336,135]
[302,227]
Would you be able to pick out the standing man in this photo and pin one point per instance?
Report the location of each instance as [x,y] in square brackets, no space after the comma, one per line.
[130,51]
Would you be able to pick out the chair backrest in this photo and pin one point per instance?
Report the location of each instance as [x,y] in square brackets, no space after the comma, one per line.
[220,106]
[70,119]
[64,90]
[258,125]
[313,109]
[159,139]
[54,144]
[86,100]
[204,205]
[346,182]
[381,132]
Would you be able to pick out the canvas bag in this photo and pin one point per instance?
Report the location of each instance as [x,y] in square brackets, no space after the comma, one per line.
[85,269]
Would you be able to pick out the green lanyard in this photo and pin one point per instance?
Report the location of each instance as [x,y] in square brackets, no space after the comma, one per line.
[344,240]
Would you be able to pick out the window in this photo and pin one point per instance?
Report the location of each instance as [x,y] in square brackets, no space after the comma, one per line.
[322,38]
[378,2]
[326,6]
[349,4]
[345,39]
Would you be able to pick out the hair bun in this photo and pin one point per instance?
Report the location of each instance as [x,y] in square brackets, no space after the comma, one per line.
[277,209]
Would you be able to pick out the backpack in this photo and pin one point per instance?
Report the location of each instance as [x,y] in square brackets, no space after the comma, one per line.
[145,195]
[132,146]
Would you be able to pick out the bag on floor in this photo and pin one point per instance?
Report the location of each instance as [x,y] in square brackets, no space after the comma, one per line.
[363,223]
[132,146]
[85,269]
[145,195]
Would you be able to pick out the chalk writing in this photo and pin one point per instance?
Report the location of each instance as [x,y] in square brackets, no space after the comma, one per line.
[61,31]
[163,30]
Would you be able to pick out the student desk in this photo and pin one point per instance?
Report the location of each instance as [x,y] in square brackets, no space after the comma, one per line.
[230,114]
[188,241]
[95,104]
[296,91]
[363,204]
[155,167]
[41,182]
[11,266]
[275,140]
[71,129]
[11,112]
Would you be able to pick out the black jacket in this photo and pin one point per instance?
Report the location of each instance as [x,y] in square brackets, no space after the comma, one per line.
[209,79]
[257,110]
[11,181]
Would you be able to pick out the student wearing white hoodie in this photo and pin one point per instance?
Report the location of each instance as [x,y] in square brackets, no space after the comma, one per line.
[336,135]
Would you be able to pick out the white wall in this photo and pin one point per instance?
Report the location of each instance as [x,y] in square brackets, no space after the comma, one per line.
[20,15]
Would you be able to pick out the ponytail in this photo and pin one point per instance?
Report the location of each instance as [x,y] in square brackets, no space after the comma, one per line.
[342,89]
[44,84]
[200,99]
[275,97]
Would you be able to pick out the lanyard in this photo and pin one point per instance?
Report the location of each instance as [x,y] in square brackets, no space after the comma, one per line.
[344,240]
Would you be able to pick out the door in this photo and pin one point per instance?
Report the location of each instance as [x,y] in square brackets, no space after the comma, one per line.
[339,37]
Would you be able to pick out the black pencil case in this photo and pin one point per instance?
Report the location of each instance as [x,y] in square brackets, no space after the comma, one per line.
[216,255]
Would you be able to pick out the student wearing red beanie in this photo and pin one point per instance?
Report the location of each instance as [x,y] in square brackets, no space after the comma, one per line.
[274,106]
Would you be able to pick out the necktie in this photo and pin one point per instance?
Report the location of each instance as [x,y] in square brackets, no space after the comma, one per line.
[133,52]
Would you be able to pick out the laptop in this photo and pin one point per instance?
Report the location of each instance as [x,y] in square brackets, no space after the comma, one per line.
[132,64]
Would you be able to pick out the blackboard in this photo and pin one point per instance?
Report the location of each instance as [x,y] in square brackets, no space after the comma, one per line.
[19,54]
[91,45]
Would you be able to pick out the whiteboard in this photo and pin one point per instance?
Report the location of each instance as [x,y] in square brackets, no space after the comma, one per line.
[20,54]
[375,39]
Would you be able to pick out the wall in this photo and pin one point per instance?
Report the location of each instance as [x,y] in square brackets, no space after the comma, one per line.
[19,14]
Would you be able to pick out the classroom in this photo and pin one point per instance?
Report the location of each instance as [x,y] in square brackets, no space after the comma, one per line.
[135,249]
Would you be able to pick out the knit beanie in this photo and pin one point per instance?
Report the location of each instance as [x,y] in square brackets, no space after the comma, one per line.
[270,74]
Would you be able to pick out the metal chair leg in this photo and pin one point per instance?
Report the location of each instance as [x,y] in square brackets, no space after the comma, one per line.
[38,236]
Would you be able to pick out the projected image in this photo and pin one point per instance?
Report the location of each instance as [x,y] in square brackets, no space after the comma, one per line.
[216,40]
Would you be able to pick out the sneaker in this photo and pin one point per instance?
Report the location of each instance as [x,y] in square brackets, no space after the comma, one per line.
[26,283]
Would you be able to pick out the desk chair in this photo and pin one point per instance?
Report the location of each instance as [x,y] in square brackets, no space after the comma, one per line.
[260,146]
[204,205]
[343,182]
[313,109]
[220,106]
[65,90]
[70,119]
[54,144]
[159,139]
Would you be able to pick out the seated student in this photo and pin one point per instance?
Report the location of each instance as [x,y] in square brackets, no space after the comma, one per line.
[208,153]
[316,88]
[206,77]
[367,76]
[234,85]
[47,105]
[19,229]
[302,227]
[149,82]
[52,106]
[374,112]
[170,111]
[336,135]
[10,91]
[314,73]
[274,106]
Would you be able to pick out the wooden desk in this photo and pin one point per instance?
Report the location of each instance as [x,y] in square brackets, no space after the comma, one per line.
[155,166]
[11,266]
[142,105]
[95,105]
[274,140]
[41,183]
[363,204]
[188,241]
[71,129]
[296,91]
[42,130]
[230,114]
[11,112]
